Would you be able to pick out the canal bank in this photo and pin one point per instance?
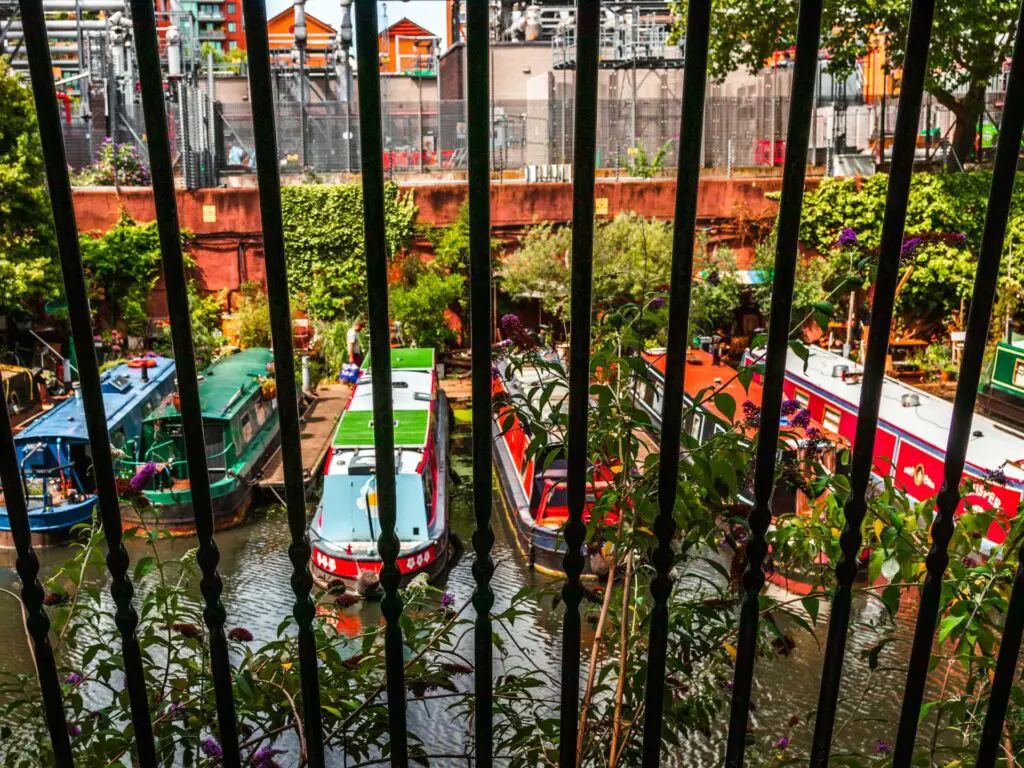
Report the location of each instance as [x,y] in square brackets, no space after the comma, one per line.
[257,594]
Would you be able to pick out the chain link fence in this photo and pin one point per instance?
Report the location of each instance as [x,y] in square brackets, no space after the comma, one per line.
[742,134]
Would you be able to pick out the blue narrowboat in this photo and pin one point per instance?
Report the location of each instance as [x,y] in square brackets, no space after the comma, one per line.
[55,455]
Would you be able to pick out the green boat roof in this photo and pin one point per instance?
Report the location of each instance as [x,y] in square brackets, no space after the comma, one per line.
[221,382]
[408,358]
[356,429]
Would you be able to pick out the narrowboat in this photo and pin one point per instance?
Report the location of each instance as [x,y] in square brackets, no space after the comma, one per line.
[533,488]
[910,444]
[1001,395]
[241,430]
[56,457]
[704,374]
[346,524]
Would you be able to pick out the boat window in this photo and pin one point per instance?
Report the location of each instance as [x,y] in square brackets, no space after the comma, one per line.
[696,423]
[1018,373]
[117,439]
[261,412]
[246,427]
[428,491]
[213,436]
[802,397]
[830,420]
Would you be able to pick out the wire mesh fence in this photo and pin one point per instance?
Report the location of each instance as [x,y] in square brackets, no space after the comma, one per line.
[641,136]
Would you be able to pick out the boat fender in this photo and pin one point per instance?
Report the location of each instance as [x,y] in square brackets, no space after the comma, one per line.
[368,585]
[533,554]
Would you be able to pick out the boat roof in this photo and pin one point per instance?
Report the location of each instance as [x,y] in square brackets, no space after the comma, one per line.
[356,429]
[412,397]
[123,390]
[221,382]
[408,358]
[354,461]
[991,445]
[702,373]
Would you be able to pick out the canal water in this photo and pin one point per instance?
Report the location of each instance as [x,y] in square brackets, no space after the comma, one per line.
[256,571]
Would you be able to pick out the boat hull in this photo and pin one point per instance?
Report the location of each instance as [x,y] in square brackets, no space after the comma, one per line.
[51,526]
[232,501]
[331,569]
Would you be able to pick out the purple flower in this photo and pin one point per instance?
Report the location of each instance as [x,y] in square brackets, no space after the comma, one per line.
[447,600]
[802,418]
[782,743]
[143,476]
[969,562]
[790,407]
[511,323]
[73,679]
[264,757]
[848,238]
[74,729]
[910,247]
[997,476]
[657,302]
[516,332]
[495,372]
[752,412]
[173,710]
[211,748]
[882,747]
[814,433]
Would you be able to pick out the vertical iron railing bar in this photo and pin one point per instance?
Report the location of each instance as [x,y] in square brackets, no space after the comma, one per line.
[1004,168]
[791,201]
[886,279]
[479,137]
[588,14]
[957,441]
[214,614]
[125,616]
[269,176]
[37,623]
[698,27]
[375,243]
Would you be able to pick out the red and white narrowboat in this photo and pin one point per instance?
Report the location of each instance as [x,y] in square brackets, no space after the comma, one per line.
[346,524]
[910,444]
[533,488]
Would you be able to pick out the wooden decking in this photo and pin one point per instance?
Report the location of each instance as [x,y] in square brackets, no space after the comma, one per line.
[318,423]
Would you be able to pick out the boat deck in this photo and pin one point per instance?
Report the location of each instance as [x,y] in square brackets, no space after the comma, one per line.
[318,425]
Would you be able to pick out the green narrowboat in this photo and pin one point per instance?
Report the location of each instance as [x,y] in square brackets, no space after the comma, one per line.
[242,430]
[1001,394]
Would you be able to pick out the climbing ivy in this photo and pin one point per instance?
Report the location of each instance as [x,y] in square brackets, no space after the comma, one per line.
[323,230]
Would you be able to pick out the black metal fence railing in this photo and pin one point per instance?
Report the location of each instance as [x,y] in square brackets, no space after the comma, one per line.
[584,147]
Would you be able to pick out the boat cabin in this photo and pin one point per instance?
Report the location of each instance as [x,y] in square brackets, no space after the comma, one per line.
[238,419]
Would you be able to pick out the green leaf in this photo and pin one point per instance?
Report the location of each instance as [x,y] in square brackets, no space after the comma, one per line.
[811,605]
[725,403]
[949,624]
[144,567]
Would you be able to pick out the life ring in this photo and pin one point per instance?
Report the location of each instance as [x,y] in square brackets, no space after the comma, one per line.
[142,362]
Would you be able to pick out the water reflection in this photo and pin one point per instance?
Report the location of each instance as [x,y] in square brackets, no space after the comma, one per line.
[257,595]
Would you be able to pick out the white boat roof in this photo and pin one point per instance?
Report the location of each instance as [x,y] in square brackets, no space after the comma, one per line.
[344,460]
[411,390]
[928,421]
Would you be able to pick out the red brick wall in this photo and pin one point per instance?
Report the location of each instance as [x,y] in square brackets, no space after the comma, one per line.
[226,222]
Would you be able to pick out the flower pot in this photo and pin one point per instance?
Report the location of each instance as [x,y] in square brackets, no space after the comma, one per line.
[947,376]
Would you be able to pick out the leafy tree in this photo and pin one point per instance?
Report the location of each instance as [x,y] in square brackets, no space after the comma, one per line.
[121,266]
[323,230]
[539,268]
[970,42]
[421,307]
[941,273]
[28,269]
[253,316]
[645,167]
